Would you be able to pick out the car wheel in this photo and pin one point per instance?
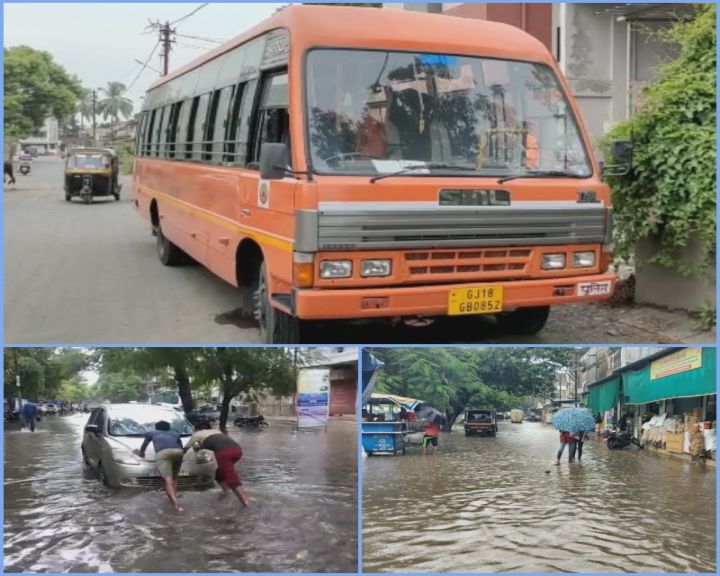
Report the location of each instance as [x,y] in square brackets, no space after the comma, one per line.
[276,327]
[102,475]
[169,253]
[524,321]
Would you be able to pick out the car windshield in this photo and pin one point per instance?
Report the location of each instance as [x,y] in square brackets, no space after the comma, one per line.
[479,416]
[379,112]
[137,421]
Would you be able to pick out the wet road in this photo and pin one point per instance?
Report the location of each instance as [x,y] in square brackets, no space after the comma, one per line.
[487,505]
[302,518]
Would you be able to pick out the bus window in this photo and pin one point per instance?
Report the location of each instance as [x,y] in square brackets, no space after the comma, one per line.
[157,131]
[232,125]
[215,134]
[273,122]
[148,134]
[195,127]
[244,122]
[173,128]
[162,140]
[139,136]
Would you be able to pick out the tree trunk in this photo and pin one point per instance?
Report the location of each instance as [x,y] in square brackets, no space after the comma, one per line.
[183,383]
[224,410]
[451,420]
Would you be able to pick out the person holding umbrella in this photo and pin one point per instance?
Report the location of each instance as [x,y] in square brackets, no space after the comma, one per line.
[432,432]
[572,424]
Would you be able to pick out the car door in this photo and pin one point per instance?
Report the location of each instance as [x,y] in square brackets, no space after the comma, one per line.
[91,441]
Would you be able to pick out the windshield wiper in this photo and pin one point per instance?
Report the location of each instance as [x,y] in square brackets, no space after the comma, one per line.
[541,174]
[432,166]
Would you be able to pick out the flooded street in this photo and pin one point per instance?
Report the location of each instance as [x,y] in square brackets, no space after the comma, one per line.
[488,505]
[302,517]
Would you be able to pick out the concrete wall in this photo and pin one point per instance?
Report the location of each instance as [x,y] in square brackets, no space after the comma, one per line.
[662,287]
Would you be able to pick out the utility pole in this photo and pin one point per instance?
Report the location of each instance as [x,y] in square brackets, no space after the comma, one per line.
[165,41]
[94,103]
[17,378]
[577,374]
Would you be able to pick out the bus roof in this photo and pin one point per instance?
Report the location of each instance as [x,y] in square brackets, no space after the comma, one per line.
[375,28]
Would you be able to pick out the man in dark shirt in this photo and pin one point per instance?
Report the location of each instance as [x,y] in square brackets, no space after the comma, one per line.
[168,456]
[226,451]
[29,415]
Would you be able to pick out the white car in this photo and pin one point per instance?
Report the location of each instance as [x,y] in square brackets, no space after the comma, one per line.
[114,431]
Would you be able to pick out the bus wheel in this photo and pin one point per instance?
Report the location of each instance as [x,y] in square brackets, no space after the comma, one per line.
[169,254]
[524,321]
[276,327]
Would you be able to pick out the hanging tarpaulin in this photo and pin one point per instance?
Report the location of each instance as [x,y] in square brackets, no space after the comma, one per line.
[370,366]
[686,373]
[313,397]
[603,395]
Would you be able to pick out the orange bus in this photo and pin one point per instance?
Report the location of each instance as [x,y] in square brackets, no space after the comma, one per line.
[354,163]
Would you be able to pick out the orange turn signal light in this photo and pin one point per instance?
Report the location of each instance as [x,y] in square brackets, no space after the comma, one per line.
[304,274]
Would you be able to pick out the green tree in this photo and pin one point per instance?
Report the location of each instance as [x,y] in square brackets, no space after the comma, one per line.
[41,370]
[669,194]
[84,108]
[73,389]
[247,370]
[115,104]
[36,88]
[119,387]
[453,379]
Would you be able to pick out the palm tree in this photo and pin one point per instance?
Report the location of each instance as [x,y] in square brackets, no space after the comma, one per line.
[85,108]
[115,104]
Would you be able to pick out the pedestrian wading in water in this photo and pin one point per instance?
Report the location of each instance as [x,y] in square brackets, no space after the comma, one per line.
[226,451]
[168,456]
[566,439]
[432,432]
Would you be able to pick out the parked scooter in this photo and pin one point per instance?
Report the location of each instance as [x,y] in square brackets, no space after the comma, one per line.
[618,439]
[251,422]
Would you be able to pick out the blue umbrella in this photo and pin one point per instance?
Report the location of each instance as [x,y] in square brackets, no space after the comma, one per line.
[574,420]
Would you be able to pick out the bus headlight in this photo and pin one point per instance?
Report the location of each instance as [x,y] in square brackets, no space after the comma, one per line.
[375,268]
[553,261]
[335,269]
[583,259]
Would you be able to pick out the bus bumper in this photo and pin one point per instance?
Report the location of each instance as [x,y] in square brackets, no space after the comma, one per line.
[432,300]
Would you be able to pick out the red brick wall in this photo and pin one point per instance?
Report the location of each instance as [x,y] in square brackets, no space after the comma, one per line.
[535,19]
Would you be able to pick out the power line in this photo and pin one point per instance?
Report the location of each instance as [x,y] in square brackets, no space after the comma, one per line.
[147,61]
[190,14]
[183,45]
[203,38]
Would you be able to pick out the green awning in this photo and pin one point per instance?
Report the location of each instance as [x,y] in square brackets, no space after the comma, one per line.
[640,389]
[603,396]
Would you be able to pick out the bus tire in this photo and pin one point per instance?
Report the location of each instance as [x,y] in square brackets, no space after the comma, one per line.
[276,327]
[169,254]
[524,321]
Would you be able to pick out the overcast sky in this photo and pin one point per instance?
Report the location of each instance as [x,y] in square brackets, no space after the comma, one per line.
[100,42]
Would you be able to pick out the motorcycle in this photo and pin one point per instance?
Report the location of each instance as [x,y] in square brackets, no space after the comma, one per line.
[25,168]
[618,439]
[250,422]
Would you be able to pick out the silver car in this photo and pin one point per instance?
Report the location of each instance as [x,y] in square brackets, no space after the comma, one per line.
[113,431]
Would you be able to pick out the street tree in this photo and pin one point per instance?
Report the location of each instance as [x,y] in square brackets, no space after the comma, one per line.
[180,364]
[454,379]
[247,371]
[41,370]
[115,104]
[122,386]
[36,88]
[73,389]
[84,108]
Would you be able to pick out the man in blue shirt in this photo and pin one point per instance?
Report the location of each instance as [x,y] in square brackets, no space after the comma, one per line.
[29,415]
[168,457]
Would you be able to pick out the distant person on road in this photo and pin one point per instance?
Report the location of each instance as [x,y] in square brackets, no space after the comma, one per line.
[29,414]
[168,456]
[227,453]
[566,439]
[432,432]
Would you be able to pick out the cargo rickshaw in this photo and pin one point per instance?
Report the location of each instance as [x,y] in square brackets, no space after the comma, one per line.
[91,172]
[386,422]
[483,422]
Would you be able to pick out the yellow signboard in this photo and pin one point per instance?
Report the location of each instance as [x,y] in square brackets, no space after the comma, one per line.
[681,361]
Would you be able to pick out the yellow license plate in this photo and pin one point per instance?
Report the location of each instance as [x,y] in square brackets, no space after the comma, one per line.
[475,300]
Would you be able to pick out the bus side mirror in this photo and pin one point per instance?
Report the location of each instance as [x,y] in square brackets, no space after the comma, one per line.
[274,160]
[622,154]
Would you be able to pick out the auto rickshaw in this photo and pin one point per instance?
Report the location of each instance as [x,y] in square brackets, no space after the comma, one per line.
[91,172]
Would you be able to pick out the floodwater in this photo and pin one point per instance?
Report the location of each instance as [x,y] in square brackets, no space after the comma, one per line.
[302,517]
[489,505]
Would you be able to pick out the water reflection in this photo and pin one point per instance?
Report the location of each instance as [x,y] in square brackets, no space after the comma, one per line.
[303,515]
[498,505]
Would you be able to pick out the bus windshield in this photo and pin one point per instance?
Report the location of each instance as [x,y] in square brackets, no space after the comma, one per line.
[379,112]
